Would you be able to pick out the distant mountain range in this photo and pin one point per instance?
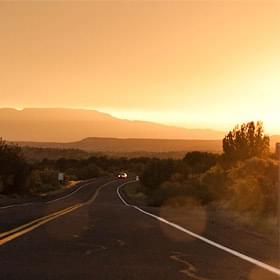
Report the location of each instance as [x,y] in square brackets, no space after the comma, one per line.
[121,146]
[63,128]
[68,125]
[116,145]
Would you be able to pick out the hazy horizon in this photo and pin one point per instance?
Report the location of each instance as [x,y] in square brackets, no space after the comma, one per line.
[66,125]
[116,115]
[139,139]
[190,64]
[123,116]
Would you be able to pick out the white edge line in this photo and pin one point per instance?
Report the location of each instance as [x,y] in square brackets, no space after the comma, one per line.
[208,241]
[49,201]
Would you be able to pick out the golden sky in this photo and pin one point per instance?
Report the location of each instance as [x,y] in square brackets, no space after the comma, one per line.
[190,63]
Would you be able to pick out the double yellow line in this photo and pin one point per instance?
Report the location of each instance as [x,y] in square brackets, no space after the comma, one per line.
[25,228]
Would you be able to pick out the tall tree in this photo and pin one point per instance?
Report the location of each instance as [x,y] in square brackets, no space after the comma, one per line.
[246,141]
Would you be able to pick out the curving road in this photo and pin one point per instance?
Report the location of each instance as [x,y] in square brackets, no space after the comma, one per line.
[92,234]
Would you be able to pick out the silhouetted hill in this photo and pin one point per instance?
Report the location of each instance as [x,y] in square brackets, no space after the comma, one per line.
[68,125]
[94,144]
[138,147]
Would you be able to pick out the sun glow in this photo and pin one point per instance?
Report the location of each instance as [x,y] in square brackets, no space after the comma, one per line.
[197,65]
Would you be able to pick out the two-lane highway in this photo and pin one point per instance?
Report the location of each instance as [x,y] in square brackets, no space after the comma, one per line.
[17,214]
[103,238]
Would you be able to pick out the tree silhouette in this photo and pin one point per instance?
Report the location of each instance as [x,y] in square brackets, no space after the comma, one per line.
[13,168]
[246,141]
[200,162]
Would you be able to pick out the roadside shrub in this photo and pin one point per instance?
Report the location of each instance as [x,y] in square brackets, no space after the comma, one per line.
[215,180]
[34,182]
[41,181]
[14,170]
[156,172]
[89,171]
[254,186]
[200,162]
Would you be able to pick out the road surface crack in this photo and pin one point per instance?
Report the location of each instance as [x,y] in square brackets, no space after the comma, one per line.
[189,269]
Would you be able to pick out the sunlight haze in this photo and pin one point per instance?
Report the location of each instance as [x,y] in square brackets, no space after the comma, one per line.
[140,139]
[192,64]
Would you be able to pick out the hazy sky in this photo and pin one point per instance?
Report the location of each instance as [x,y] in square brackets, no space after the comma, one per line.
[197,64]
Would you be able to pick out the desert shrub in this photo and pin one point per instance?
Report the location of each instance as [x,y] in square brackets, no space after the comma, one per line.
[254,186]
[156,172]
[34,181]
[41,181]
[89,171]
[173,188]
[214,181]
[200,162]
[14,170]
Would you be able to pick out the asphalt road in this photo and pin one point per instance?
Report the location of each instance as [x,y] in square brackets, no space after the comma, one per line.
[92,234]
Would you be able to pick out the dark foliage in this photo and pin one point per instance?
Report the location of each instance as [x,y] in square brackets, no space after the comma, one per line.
[200,161]
[14,170]
[156,172]
[245,142]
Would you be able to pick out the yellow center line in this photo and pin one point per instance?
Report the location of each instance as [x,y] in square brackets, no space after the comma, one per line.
[38,224]
[32,222]
[25,228]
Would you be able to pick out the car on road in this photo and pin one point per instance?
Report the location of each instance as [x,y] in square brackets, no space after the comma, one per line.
[122,175]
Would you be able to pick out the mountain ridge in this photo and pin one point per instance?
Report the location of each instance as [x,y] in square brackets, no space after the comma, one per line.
[99,144]
[68,125]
